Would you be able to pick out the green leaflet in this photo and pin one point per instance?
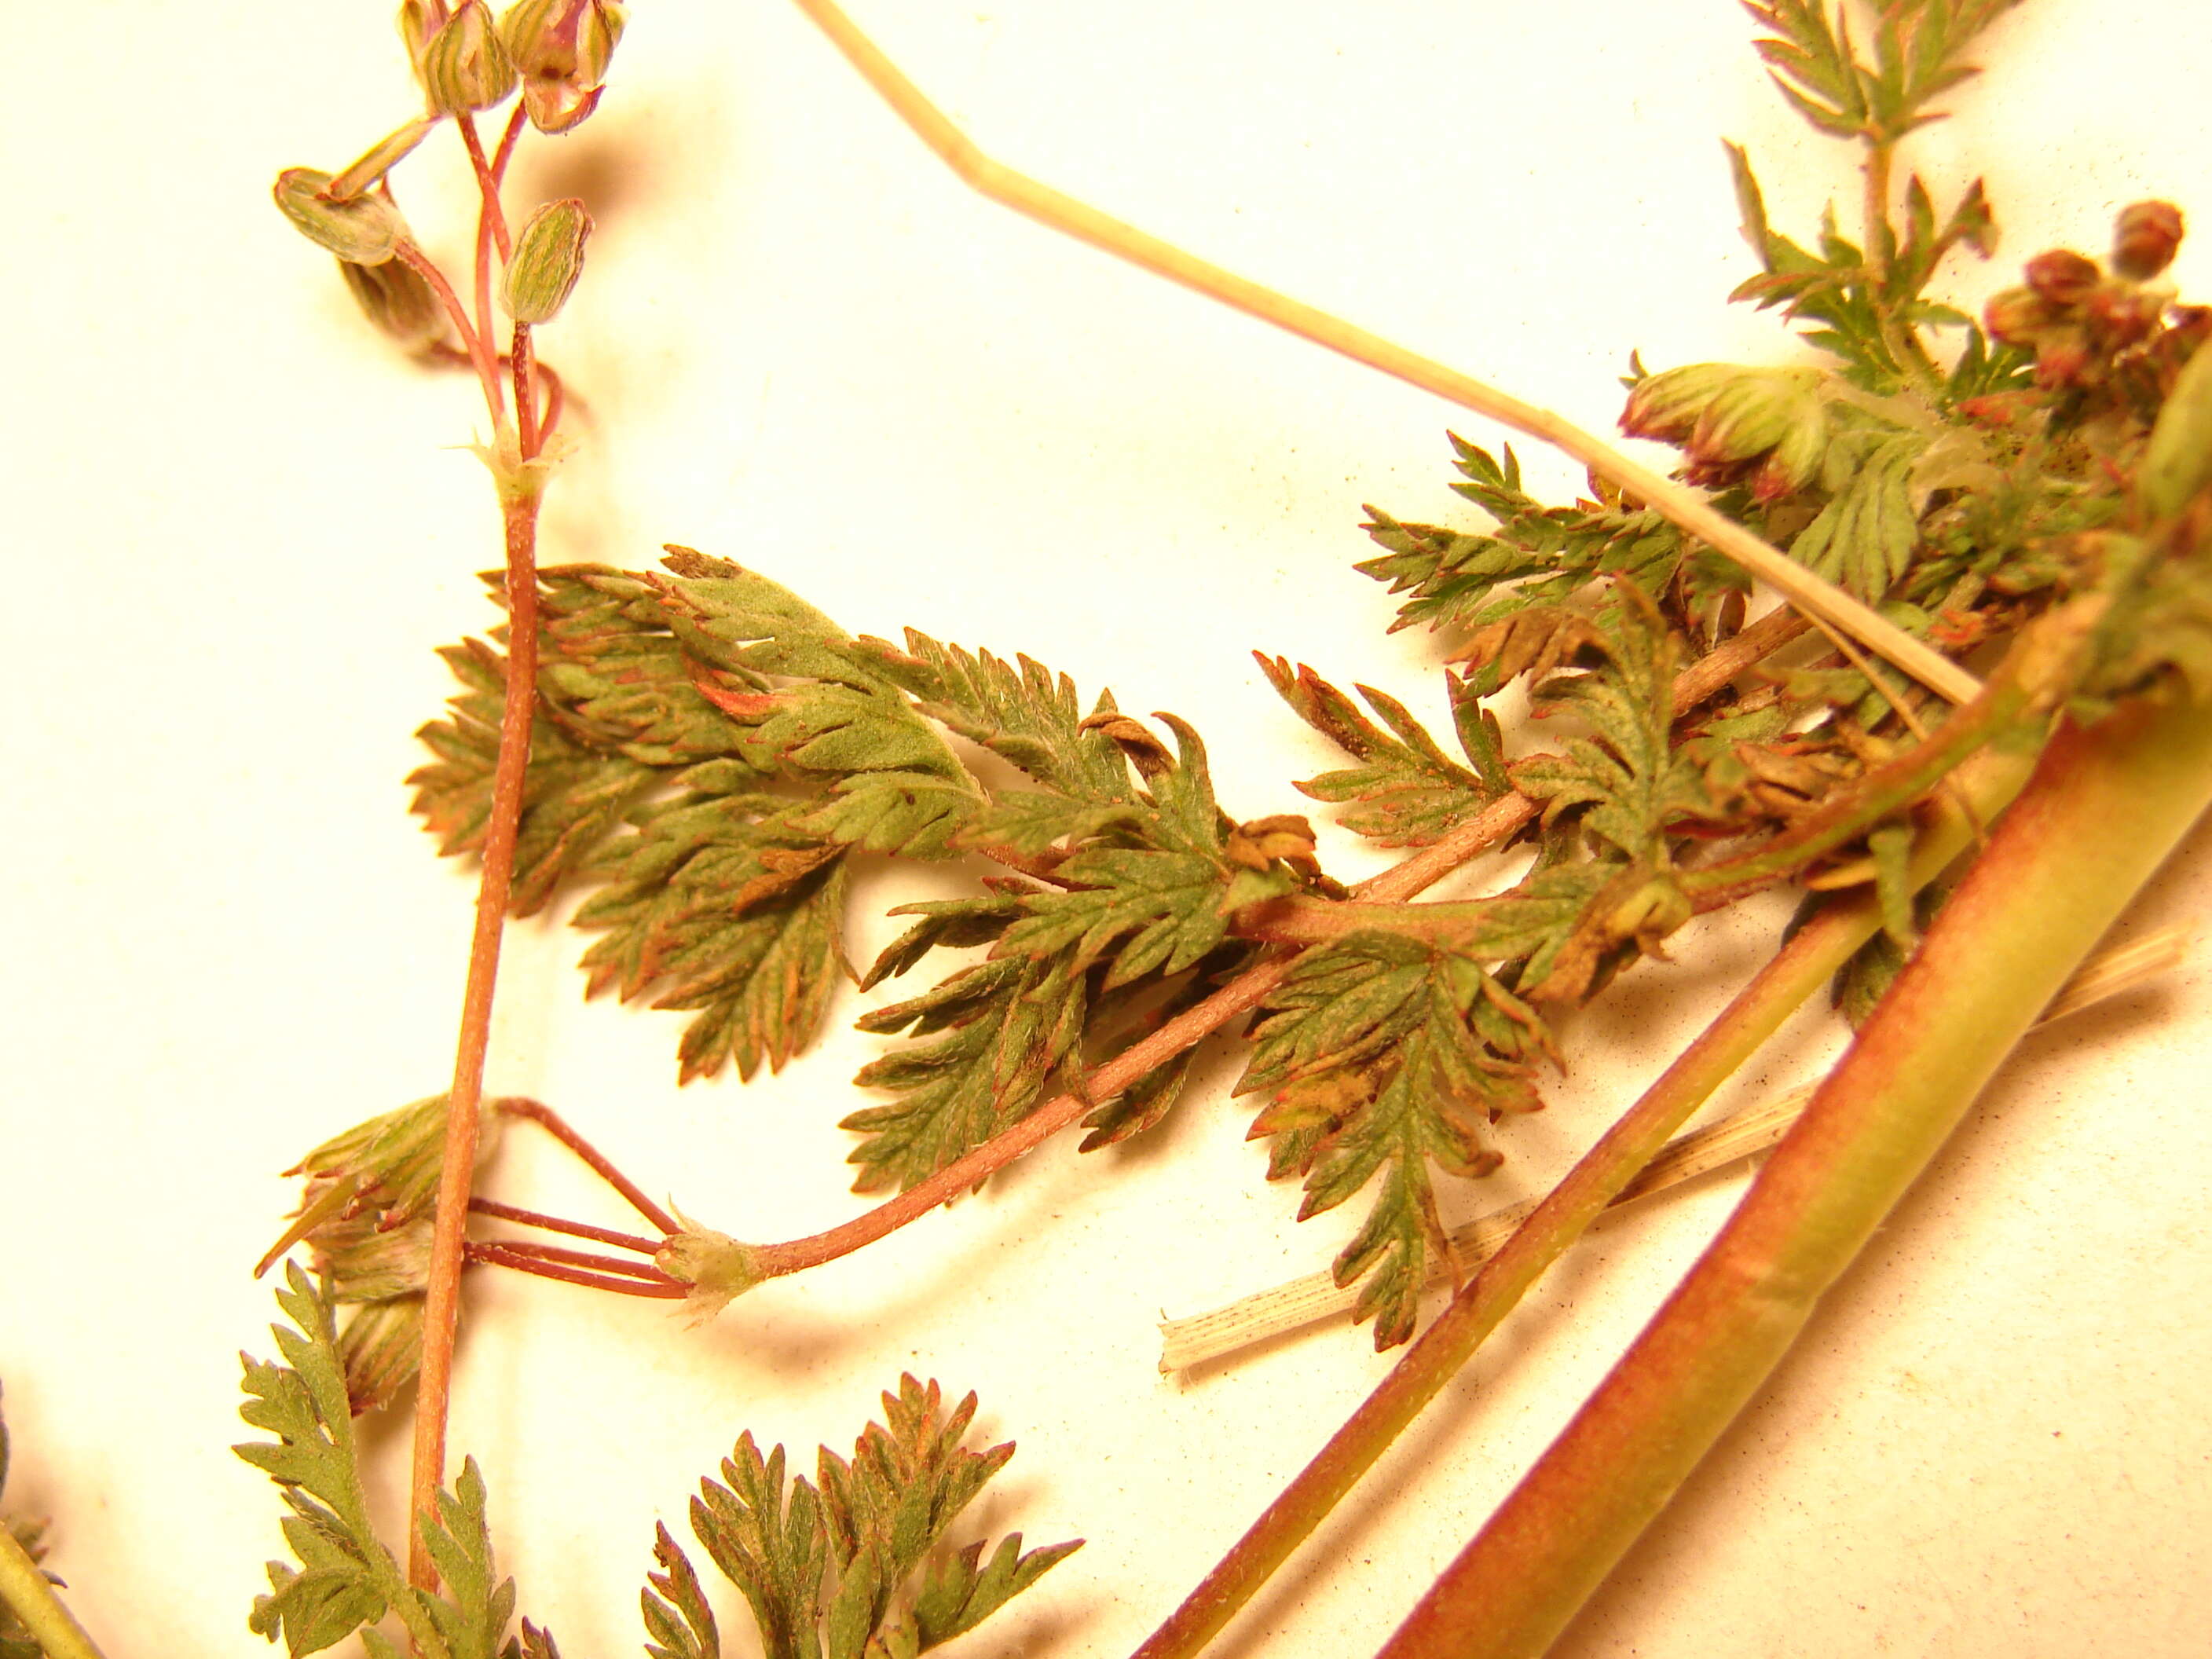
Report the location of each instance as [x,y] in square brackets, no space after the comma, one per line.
[1534,555]
[1625,777]
[1022,712]
[1384,1058]
[725,904]
[822,1566]
[572,797]
[1165,909]
[1407,791]
[1864,537]
[347,1579]
[1008,1024]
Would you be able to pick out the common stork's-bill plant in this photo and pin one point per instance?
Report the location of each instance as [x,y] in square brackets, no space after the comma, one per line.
[1867,665]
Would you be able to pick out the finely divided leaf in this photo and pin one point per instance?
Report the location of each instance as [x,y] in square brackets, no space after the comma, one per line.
[472,1614]
[1008,1024]
[1020,711]
[825,1571]
[346,1578]
[1152,910]
[1407,793]
[772,1549]
[678,1621]
[725,904]
[1381,1056]
[1625,776]
[573,796]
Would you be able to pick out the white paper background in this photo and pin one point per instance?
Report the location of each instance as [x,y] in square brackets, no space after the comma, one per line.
[238,529]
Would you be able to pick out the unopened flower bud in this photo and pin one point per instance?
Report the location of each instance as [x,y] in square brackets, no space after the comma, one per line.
[2017,315]
[2063,277]
[1665,406]
[549,257]
[398,301]
[364,231]
[381,1349]
[1725,417]
[2144,239]
[466,66]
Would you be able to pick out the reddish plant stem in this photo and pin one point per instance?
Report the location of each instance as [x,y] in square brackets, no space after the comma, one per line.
[505,153]
[594,1159]
[479,353]
[489,217]
[2105,807]
[554,1224]
[616,1265]
[496,1255]
[442,1303]
[1193,1024]
[526,400]
[1795,972]
[1439,1352]
[1726,660]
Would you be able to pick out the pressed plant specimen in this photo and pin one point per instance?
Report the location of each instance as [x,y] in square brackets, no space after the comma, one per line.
[1628,662]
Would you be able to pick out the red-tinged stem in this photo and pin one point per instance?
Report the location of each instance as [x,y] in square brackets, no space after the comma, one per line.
[489,216]
[554,1224]
[1193,1025]
[2104,807]
[494,1256]
[560,1254]
[479,351]
[442,1303]
[505,153]
[1795,974]
[525,399]
[592,1158]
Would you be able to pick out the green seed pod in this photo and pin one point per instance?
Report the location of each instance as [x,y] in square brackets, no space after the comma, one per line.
[561,49]
[398,301]
[549,257]
[419,22]
[379,158]
[465,67]
[364,231]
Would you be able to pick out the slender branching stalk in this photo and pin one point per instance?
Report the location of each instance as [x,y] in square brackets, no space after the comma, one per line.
[1683,506]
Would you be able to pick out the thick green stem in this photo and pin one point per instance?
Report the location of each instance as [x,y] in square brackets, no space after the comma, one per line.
[2105,807]
[1805,963]
[25,1591]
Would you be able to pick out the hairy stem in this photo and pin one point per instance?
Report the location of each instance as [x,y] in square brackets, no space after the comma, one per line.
[2104,807]
[26,1592]
[441,1304]
[1677,502]
[1796,972]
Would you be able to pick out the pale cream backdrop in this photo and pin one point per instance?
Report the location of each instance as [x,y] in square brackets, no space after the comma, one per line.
[237,528]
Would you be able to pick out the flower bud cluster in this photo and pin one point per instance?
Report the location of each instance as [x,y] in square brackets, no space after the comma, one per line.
[2085,325]
[1768,425]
